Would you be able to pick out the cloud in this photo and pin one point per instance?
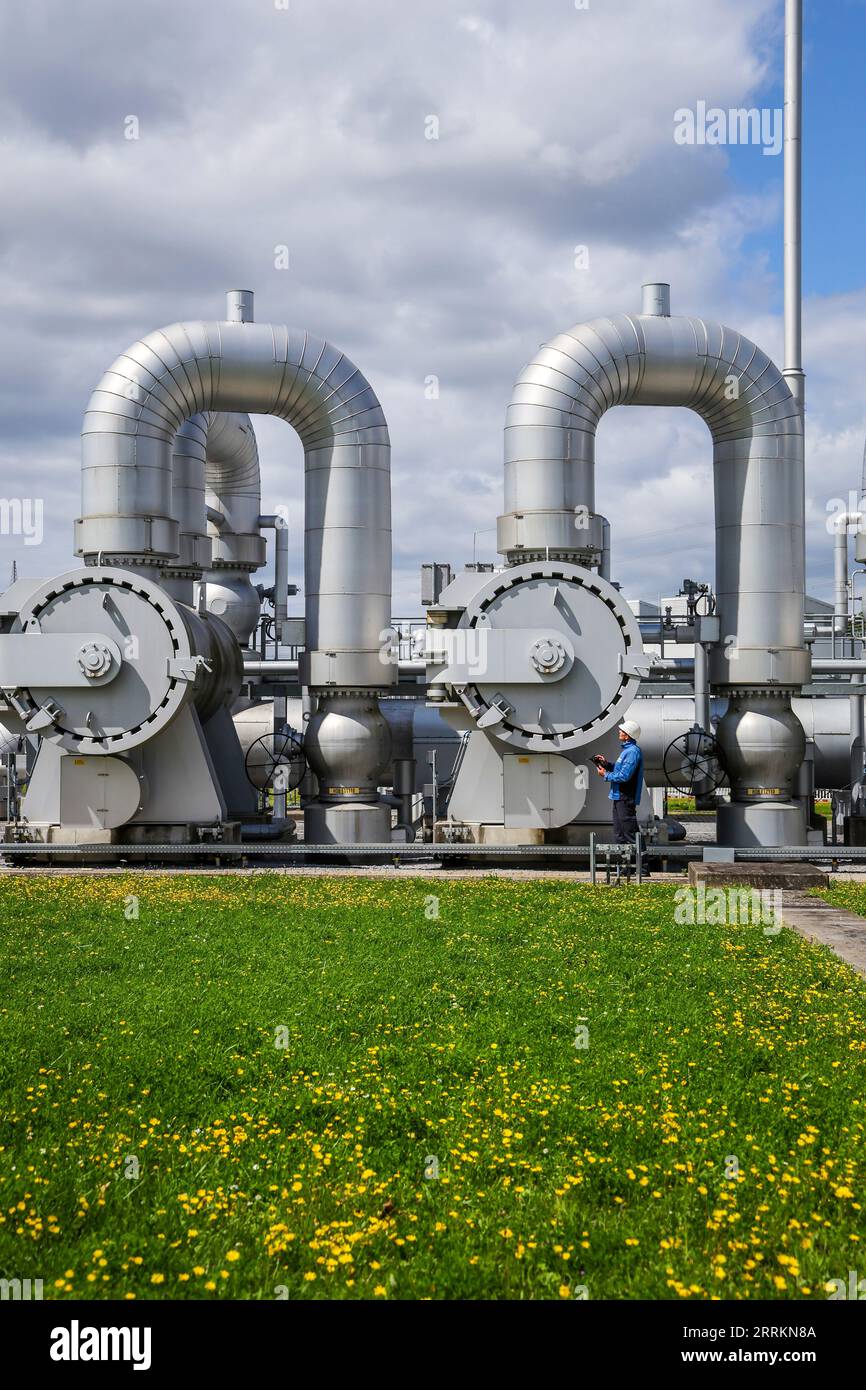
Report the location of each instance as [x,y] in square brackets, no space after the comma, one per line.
[453,258]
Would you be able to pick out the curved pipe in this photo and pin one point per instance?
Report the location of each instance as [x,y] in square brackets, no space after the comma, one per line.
[189,368]
[215,473]
[188,499]
[757,434]
[234,489]
[216,495]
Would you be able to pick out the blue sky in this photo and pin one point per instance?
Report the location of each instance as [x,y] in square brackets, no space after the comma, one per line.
[834,149]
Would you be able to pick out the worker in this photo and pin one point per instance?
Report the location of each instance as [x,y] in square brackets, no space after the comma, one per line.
[626,785]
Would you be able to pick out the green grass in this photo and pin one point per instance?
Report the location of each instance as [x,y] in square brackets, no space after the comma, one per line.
[148,1045]
[847,894]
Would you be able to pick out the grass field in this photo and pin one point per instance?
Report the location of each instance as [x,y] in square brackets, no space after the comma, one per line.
[270,1086]
[846,894]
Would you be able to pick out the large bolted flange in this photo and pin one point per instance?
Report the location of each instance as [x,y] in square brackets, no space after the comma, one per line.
[157,656]
[546,657]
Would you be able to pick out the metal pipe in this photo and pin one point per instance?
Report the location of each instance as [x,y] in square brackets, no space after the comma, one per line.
[216,494]
[838,666]
[188,508]
[280,527]
[857,738]
[757,431]
[284,666]
[821,666]
[656,299]
[793,215]
[187,368]
[702,688]
[279,712]
[239,306]
[210,450]
[826,720]
[860,542]
[233,496]
[840,576]
[233,502]
[550,432]
[604,567]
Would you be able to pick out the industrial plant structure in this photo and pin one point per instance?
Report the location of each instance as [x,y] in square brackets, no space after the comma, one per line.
[154,697]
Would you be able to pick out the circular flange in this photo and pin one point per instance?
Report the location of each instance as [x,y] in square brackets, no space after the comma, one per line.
[149,631]
[581,641]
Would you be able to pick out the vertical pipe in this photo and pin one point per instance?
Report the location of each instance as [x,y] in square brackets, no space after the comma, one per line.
[280,795]
[279,525]
[604,567]
[656,300]
[793,367]
[856,705]
[239,306]
[281,579]
[840,580]
[702,688]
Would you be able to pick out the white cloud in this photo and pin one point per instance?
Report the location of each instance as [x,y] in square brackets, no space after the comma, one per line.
[451,257]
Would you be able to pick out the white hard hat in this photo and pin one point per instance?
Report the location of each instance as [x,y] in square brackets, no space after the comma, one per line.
[629,727]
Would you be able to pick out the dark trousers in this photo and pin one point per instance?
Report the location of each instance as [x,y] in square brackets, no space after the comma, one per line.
[625,826]
[624,821]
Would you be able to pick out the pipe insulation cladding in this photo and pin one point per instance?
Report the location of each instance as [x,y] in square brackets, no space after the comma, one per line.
[757,433]
[216,487]
[215,463]
[188,369]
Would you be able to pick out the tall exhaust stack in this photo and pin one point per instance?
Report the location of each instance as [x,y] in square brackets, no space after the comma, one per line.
[793,174]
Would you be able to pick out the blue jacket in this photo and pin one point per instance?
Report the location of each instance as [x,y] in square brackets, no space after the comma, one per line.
[628,768]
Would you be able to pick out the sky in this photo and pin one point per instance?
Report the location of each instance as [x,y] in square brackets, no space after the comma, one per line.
[306,125]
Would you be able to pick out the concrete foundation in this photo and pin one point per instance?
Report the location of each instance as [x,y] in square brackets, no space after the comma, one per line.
[770,875]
